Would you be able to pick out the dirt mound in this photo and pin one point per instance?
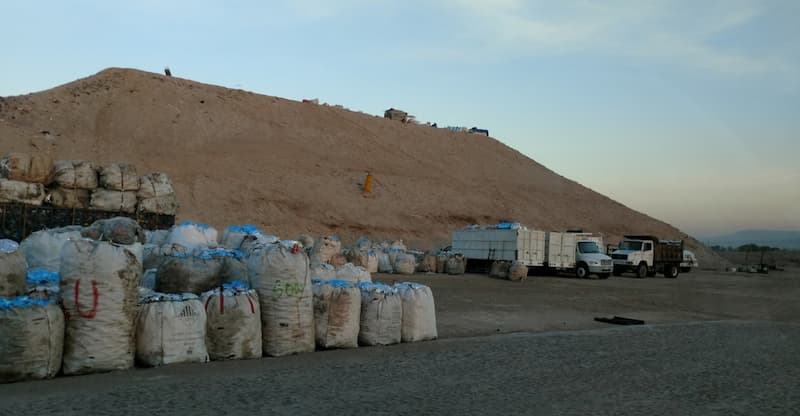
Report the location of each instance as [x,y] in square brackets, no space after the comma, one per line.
[238,157]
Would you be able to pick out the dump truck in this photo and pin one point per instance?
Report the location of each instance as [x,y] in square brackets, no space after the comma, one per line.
[646,255]
[554,252]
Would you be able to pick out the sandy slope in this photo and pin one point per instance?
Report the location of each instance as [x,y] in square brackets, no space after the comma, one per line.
[295,168]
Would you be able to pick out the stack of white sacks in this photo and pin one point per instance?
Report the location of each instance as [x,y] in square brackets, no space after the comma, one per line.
[396,258]
[35,179]
[241,295]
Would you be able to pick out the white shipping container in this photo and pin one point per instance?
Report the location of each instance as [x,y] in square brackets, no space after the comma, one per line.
[527,246]
[561,250]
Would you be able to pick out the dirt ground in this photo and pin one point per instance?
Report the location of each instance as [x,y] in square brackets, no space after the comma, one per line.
[557,361]
[472,304]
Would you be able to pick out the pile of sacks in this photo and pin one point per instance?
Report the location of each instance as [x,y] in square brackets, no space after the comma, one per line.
[35,179]
[241,296]
[396,258]
[510,270]
[347,315]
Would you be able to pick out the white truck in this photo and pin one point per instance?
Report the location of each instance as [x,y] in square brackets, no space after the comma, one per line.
[646,255]
[577,253]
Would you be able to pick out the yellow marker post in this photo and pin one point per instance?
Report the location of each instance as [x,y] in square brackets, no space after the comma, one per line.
[368,184]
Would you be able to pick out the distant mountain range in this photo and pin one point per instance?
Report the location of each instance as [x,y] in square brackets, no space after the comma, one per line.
[774,238]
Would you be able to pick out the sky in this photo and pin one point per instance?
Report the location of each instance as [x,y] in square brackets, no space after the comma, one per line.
[687,111]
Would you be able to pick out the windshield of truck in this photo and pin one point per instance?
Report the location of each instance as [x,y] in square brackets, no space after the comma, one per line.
[588,247]
[631,245]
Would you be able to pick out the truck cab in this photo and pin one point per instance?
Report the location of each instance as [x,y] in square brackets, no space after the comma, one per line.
[589,259]
[647,255]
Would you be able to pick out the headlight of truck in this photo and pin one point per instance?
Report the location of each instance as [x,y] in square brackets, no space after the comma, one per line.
[594,263]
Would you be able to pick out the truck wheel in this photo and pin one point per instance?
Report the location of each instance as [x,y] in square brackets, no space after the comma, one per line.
[582,272]
[641,271]
[603,275]
[671,271]
[616,271]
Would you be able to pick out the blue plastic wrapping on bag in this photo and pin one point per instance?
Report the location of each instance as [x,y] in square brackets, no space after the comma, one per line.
[22,302]
[337,283]
[249,229]
[41,277]
[8,246]
[190,224]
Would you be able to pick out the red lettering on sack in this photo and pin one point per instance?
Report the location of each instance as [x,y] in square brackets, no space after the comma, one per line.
[252,307]
[95,298]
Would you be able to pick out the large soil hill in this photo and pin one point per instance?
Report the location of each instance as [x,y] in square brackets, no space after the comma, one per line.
[291,168]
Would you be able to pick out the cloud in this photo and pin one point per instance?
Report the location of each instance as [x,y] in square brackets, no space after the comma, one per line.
[675,32]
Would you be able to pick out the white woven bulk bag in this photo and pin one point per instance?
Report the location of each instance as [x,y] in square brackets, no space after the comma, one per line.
[43,248]
[255,241]
[325,249]
[22,192]
[36,167]
[195,237]
[196,273]
[419,312]
[31,339]
[234,235]
[99,288]
[13,269]
[280,275]
[499,269]
[405,264]
[154,185]
[170,329]
[518,271]
[337,314]
[68,198]
[456,264]
[384,262]
[157,237]
[115,201]
[75,174]
[353,274]
[233,330]
[381,315]
[323,271]
[119,177]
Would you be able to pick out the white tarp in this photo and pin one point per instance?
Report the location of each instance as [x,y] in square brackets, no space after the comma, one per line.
[419,312]
[31,339]
[99,288]
[171,329]
[280,275]
[337,314]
